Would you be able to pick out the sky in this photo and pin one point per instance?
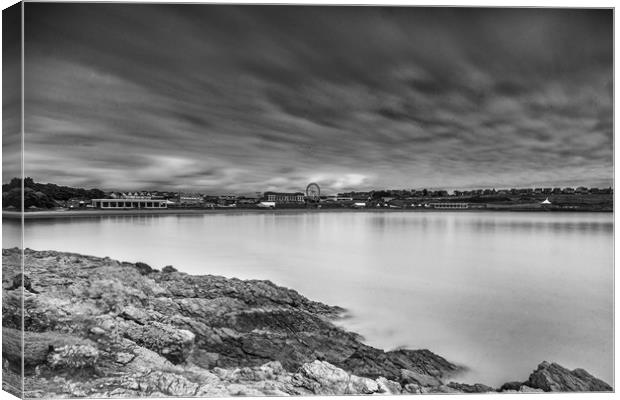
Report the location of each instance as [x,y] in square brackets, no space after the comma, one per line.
[243,99]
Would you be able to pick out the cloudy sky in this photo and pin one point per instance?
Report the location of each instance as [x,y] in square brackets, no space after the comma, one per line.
[252,98]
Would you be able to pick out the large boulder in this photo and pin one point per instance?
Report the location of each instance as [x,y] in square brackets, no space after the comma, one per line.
[552,377]
[322,378]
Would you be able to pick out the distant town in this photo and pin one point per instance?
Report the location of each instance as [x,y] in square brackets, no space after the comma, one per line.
[38,196]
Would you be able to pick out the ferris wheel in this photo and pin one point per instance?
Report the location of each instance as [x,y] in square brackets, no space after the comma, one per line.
[313,192]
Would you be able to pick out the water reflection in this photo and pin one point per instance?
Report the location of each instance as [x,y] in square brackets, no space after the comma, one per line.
[498,292]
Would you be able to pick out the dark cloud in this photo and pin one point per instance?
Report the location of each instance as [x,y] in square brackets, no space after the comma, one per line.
[253,98]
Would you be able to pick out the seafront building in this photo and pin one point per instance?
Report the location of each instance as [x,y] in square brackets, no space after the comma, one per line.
[116,204]
[278,197]
[447,206]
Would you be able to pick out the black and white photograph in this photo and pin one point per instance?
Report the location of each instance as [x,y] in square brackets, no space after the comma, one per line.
[221,200]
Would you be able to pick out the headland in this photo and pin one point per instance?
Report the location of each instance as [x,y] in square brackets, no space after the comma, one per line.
[97,327]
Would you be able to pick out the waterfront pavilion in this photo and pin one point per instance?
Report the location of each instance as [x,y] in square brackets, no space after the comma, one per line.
[116,204]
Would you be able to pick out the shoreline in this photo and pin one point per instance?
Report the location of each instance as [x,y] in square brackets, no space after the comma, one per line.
[116,213]
[209,335]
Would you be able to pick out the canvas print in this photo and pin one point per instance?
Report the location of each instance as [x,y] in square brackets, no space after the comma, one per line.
[206,200]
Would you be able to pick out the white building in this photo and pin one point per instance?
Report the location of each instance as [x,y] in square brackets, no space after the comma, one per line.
[123,204]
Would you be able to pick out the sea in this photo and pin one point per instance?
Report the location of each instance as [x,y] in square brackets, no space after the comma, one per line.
[497,292]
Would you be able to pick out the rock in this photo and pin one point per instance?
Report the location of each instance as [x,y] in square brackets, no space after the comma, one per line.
[475,388]
[172,343]
[322,378]
[95,330]
[21,279]
[527,389]
[361,385]
[412,388]
[154,382]
[124,358]
[133,313]
[388,387]
[512,386]
[73,357]
[136,332]
[552,377]
[418,379]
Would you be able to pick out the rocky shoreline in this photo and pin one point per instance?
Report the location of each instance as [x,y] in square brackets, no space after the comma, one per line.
[97,327]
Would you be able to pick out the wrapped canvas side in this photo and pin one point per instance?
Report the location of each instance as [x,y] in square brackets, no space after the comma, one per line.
[13,278]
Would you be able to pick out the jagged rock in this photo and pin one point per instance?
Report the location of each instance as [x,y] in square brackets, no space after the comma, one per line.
[552,377]
[511,386]
[73,357]
[418,379]
[388,387]
[322,378]
[135,314]
[172,343]
[150,333]
[527,389]
[466,388]
[412,388]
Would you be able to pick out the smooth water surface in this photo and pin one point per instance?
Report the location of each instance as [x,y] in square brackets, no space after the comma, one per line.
[497,292]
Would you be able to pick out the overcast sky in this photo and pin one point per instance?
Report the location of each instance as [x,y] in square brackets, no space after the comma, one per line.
[252,98]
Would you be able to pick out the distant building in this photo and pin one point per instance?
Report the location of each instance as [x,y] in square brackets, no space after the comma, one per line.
[190,198]
[546,202]
[446,206]
[117,204]
[277,197]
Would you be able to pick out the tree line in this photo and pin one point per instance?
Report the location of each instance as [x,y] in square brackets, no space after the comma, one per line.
[42,195]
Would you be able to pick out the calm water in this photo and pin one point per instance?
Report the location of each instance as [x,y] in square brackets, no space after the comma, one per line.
[497,292]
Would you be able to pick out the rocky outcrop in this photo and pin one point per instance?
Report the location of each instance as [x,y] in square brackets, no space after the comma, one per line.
[552,377]
[97,327]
